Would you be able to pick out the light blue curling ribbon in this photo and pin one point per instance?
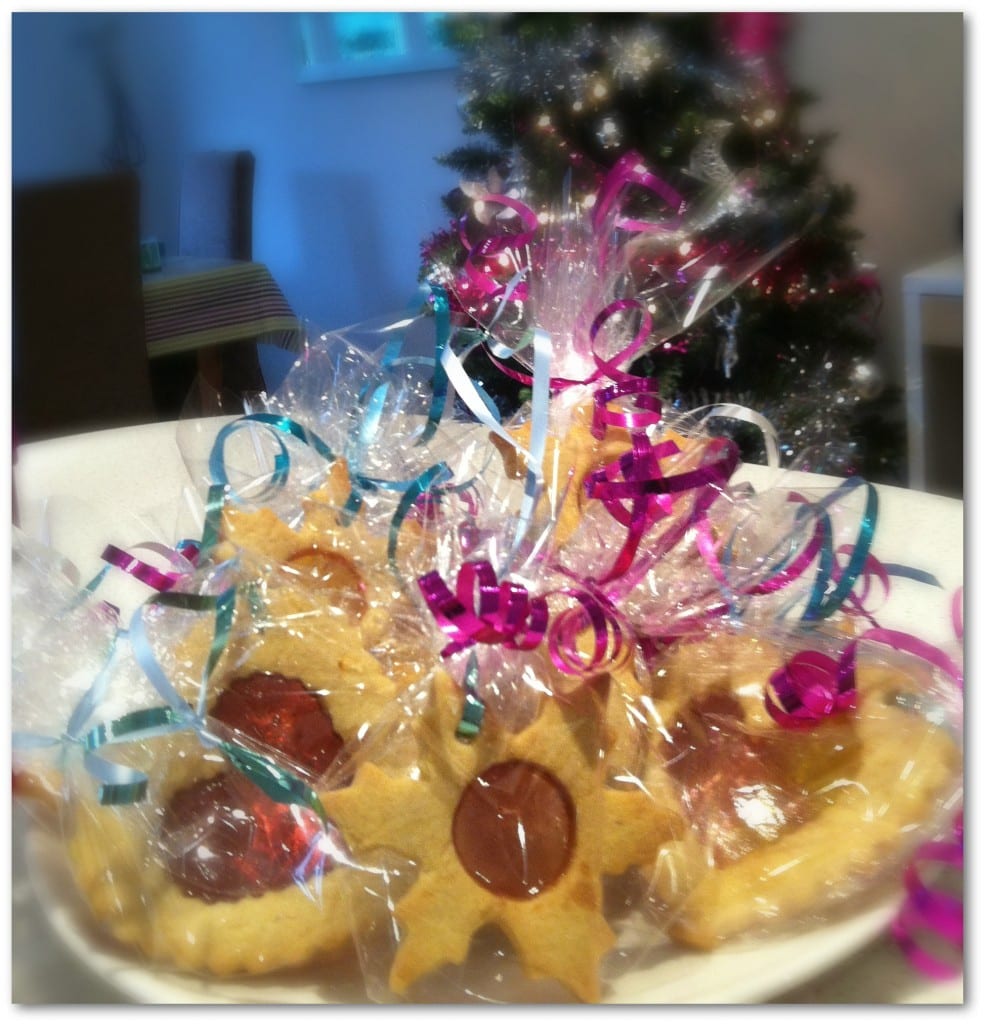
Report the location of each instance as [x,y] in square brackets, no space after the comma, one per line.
[539,414]
[277,783]
[539,421]
[117,783]
[224,606]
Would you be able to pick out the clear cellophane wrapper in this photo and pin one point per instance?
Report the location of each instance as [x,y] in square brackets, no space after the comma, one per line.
[497,741]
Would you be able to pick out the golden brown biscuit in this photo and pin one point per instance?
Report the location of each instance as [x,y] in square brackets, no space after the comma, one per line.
[566,463]
[209,873]
[569,460]
[339,571]
[784,822]
[511,829]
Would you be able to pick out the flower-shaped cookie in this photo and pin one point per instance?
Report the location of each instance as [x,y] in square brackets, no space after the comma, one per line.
[514,829]
[340,570]
[209,872]
[783,823]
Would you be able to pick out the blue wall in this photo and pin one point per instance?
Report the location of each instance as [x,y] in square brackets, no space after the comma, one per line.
[346,181]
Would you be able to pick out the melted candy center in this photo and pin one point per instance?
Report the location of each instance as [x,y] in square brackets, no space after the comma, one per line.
[514,829]
[742,789]
[334,572]
[281,713]
[223,838]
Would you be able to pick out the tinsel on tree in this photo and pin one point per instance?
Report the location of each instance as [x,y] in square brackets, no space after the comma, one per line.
[551,98]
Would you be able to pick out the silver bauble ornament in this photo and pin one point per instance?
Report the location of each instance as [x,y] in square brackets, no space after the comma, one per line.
[609,133]
[867,380]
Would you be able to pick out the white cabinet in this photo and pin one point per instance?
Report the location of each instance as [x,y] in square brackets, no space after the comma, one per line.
[942,280]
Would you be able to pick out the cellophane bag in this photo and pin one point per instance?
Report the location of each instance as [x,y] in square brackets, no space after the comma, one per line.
[505,711]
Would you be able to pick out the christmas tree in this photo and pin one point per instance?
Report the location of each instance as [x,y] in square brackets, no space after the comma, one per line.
[559,97]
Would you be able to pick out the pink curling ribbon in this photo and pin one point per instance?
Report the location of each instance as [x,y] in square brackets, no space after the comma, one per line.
[650,494]
[930,911]
[146,573]
[595,612]
[645,390]
[640,465]
[812,686]
[609,367]
[489,258]
[506,614]
[809,688]
[628,171]
[722,462]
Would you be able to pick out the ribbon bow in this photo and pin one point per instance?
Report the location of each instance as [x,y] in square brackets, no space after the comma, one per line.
[505,612]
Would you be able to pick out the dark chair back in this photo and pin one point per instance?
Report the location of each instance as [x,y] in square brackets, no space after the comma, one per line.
[216,217]
[79,349]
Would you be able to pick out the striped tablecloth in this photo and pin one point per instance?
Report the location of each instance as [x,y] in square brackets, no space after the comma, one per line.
[194,304]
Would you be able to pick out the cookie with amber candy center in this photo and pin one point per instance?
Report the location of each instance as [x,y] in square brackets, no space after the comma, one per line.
[509,830]
[784,822]
[210,873]
[339,570]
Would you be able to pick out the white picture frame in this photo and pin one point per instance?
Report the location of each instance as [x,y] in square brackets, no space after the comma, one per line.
[363,44]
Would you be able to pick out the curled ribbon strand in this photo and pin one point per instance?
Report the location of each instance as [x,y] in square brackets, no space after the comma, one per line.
[811,686]
[505,612]
[928,910]
[275,781]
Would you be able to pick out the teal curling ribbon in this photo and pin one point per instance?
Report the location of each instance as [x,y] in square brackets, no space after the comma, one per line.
[431,478]
[473,711]
[821,605]
[369,427]
[832,586]
[119,784]
[277,783]
[178,715]
[439,387]
[211,532]
[281,465]
[129,786]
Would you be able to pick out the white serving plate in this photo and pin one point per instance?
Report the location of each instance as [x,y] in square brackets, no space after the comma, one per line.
[744,972]
[921,530]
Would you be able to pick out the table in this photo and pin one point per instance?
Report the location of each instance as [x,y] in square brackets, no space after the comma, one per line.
[944,279]
[205,306]
[140,474]
[196,304]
